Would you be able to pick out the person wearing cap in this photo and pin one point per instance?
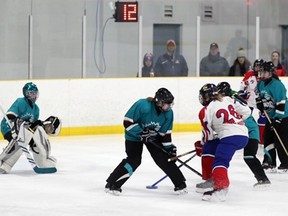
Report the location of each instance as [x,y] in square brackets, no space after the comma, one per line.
[171,63]
[213,64]
[147,69]
[241,64]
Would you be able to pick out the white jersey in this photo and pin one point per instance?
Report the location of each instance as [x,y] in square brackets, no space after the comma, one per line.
[225,118]
[249,84]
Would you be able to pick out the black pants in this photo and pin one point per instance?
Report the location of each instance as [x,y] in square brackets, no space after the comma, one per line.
[252,161]
[270,138]
[133,160]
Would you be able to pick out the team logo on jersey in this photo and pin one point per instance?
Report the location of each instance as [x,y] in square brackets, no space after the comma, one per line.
[268,102]
[153,125]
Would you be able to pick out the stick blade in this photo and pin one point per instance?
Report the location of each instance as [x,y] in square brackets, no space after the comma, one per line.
[45,170]
[151,187]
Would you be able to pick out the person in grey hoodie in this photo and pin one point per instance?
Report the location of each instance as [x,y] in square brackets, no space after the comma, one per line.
[214,64]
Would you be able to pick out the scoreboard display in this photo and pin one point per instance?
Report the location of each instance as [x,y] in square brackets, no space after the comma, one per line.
[126,11]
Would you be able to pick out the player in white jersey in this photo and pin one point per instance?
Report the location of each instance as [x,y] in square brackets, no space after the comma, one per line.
[224,117]
[248,91]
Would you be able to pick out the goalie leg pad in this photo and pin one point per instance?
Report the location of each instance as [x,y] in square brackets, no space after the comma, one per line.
[41,149]
[9,156]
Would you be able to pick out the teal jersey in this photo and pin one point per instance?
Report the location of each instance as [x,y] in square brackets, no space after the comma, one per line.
[250,123]
[143,114]
[275,93]
[21,108]
[253,129]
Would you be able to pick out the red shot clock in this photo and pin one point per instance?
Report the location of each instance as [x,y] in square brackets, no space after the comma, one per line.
[126,11]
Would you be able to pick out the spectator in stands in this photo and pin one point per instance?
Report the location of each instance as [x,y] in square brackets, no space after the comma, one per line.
[170,63]
[280,70]
[147,69]
[214,64]
[237,42]
[241,64]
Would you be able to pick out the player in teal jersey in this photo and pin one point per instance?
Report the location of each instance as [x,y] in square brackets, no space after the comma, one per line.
[148,120]
[272,99]
[25,109]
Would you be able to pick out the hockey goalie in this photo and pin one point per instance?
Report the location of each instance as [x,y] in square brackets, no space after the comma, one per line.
[35,138]
[24,132]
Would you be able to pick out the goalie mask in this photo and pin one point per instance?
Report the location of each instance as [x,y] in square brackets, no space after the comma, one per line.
[207,93]
[52,126]
[30,91]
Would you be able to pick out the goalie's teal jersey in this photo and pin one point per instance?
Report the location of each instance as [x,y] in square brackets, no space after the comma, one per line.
[143,114]
[275,93]
[21,108]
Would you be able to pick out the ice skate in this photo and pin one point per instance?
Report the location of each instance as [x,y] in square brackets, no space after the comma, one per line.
[204,186]
[262,184]
[218,195]
[269,168]
[181,189]
[282,169]
[112,189]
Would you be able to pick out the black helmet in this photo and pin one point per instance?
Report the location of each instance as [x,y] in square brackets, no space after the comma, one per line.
[258,62]
[268,66]
[224,88]
[207,93]
[164,95]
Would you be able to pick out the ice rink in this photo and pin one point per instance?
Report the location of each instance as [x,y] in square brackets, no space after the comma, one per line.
[84,163]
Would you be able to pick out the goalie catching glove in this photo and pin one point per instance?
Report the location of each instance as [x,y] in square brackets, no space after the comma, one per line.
[52,125]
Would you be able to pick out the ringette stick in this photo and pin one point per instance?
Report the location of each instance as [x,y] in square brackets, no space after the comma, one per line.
[186,165]
[276,133]
[154,186]
[181,155]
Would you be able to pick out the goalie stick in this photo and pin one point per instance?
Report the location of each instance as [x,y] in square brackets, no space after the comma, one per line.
[154,186]
[23,145]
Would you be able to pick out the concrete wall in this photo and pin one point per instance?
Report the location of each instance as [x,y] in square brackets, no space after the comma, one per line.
[97,106]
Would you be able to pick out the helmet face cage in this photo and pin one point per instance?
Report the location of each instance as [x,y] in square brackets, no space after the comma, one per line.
[258,65]
[224,88]
[207,93]
[266,67]
[164,95]
[30,91]
[258,62]
[164,99]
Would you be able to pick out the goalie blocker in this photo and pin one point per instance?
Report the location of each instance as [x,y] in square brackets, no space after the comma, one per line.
[38,141]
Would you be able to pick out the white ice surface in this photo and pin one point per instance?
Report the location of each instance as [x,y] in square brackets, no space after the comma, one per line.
[84,163]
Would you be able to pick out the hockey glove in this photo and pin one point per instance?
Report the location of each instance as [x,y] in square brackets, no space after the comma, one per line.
[171,150]
[275,124]
[148,135]
[243,94]
[198,147]
[259,104]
